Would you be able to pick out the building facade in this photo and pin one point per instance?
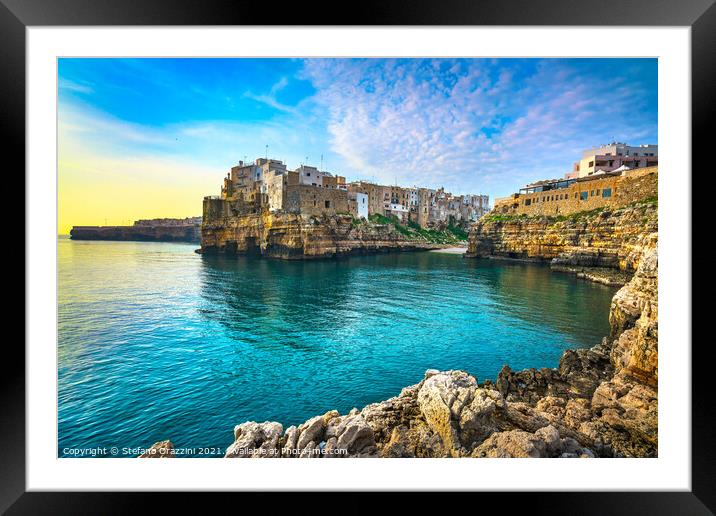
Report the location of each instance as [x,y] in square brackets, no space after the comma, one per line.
[564,197]
[613,156]
[267,184]
[358,204]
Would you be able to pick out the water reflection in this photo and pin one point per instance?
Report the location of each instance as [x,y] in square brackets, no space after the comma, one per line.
[297,303]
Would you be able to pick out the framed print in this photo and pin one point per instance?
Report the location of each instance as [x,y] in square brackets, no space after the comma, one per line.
[450,247]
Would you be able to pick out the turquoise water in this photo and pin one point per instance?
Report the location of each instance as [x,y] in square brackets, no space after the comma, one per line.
[157,342]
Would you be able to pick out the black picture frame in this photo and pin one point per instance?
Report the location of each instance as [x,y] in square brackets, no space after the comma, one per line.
[700,15]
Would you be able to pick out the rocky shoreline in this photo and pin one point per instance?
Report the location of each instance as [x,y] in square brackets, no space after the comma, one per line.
[598,402]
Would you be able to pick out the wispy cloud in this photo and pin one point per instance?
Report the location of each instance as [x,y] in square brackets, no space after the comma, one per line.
[468,124]
[270,98]
[68,85]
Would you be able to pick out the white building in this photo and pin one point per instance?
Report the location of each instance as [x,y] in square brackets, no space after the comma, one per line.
[361,200]
[400,211]
[308,175]
[612,156]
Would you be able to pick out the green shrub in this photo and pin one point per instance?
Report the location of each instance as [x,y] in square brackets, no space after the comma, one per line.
[412,230]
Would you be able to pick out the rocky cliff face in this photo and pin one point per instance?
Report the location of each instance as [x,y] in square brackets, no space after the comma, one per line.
[585,243]
[293,236]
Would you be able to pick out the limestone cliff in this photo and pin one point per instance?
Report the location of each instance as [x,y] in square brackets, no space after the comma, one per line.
[584,243]
[295,236]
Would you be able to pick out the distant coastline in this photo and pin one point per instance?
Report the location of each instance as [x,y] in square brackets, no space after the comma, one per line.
[152,230]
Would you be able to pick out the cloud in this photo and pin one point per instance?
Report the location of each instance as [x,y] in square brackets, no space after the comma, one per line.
[270,98]
[68,85]
[471,124]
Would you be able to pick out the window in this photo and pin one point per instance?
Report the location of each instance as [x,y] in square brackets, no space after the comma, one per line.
[528,202]
[591,163]
[576,195]
[597,192]
[591,193]
[607,192]
[328,204]
[583,196]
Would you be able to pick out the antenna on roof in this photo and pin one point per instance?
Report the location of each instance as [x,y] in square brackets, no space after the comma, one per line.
[267,151]
[321,162]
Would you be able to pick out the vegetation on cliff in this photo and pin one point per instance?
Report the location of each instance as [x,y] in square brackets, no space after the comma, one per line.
[451,234]
[492,217]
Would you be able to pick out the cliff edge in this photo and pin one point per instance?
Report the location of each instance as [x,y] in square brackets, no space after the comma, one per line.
[599,245]
[297,237]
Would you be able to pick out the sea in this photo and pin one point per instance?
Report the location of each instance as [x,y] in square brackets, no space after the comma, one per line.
[158,342]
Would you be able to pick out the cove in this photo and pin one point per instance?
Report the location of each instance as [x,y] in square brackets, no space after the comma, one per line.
[158,342]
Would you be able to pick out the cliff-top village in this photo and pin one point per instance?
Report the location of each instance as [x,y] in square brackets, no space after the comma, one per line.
[602,177]
[268,184]
[611,175]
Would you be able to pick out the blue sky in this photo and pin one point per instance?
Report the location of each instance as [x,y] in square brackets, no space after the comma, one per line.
[471,125]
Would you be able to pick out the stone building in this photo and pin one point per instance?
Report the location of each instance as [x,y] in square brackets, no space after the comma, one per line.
[310,200]
[422,210]
[424,206]
[398,211]
[563,197]
[310,175]
[378,195]
[268,185]
[337,182]
[275,188]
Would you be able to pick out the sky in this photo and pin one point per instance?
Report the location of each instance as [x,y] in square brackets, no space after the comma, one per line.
[148,138]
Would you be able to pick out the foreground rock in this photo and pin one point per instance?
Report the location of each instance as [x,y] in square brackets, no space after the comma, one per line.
[159,450]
